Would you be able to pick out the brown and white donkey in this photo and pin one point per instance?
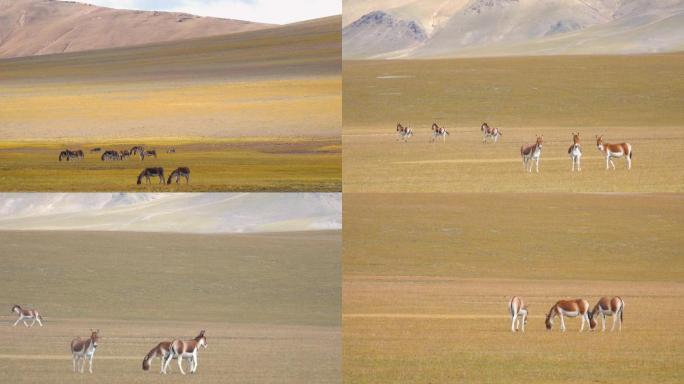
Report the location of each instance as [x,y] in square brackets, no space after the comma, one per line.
[84,349]
[614,150]
[518,311]
[569,308]
[186,349]
[27,314]
[607,307]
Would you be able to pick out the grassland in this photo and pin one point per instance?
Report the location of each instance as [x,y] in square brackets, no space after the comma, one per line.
[269,303]
[257,110]
[426,278]
[244,164]
[625,98]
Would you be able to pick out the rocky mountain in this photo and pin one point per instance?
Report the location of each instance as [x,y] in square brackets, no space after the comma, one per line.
[39,27]
[381,32]
[520,27]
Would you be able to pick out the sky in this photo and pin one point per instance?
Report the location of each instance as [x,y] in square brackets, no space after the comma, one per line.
[264,11]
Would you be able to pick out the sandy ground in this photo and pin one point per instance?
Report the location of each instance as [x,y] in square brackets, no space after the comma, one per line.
[427,278]
[624,98]
[269,303]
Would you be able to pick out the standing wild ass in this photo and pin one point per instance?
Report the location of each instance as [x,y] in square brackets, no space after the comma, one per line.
[607,307]
[575,152]
[569,308]
[488,132]
[518,311]
[404,133]
[186,349]
[82,350]
[439,131]
[614,150]
[27,314]
[532,153]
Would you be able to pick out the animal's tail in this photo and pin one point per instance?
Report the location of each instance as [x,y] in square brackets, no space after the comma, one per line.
[630,154]
[622,309]
[170,177]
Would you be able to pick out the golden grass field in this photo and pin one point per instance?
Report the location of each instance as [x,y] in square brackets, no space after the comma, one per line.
[251,115]
[244,164]
[269,304]
[426,279]
[636,99]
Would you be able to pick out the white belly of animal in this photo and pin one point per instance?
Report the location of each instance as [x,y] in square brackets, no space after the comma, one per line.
[616,154]
[570,314]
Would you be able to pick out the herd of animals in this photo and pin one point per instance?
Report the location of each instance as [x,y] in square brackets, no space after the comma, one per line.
[83,349]
[531,154]
[147,173]
[605,306]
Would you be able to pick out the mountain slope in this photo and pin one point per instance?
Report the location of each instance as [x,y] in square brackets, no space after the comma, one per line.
[520,27]
[177,212]
[38,27]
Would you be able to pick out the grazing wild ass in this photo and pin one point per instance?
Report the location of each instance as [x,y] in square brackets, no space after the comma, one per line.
[186,349]
[147,153]
[82,350]
[614,150]
[137,150]
[110,155]
[25,315]
[124,155]
[575,152]
[569,308]
[67,155]
[404,133]
[163,351]
[439,131]
[178,173]
[151,172]
[518,311]
[488,132]
[532,153]
[607,307]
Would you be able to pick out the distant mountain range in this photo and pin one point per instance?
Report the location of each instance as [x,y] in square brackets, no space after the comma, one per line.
[442,28]
[171,212]
[39,27]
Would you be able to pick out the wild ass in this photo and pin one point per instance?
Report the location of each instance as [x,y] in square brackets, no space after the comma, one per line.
[146,153]
[110,155]
[162,350]
[518,311]
[607,307]
[569,308]
[404,133]
[438,131]
[488,132]
[124,155]
[186,349]
[68,155]
[137,150]
[151,172]
[82,350]
[27,314]
[178,173]
[532,153]
[614,150]
[575,152]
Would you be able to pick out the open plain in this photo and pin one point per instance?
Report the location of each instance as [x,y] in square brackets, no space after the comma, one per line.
[427,277]
[636,99]
[239,100]
[269,304]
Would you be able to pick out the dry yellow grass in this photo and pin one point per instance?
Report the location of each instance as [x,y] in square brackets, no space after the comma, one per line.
[626,98]
[268,302]
[426,279]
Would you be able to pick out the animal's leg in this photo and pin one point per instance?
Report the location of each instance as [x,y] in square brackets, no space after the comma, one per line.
[579,164]
[73,360]
[607,163]
[194,362]
[584,319]
[25,324]
[514,325]
[33,322]
[39,322]
[537,164]
[603,322]
[562,322]
[166,364]
[615,320]
[82,361]
[90,367]
[612,163]
[629,162]
[524,317]
[17,322]
[180,364]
